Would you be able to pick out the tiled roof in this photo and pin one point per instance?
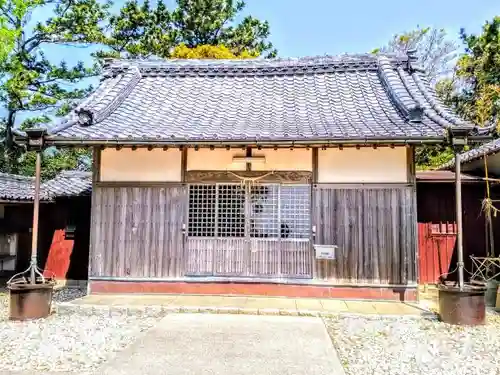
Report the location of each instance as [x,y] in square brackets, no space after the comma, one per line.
[69,184]
[476,153]
[16,188]
[66,184]
[357,98]
[443,176]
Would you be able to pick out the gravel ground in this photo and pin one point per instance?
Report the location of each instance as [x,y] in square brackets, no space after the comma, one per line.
[69,294]
[65,342]
[373,346]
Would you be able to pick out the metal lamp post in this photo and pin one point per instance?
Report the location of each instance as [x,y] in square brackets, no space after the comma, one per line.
[458,213]
[36,215]
[31,298]
[461,304]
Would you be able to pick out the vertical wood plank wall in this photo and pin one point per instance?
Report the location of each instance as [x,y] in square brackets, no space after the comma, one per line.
[137,231]
[375,230]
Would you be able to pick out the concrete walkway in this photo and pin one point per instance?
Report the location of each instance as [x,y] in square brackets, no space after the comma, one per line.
[194,344]
[243,305]
[187,344]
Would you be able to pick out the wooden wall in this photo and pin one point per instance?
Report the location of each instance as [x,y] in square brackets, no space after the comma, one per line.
[436,209]
[137,231]
[374,229]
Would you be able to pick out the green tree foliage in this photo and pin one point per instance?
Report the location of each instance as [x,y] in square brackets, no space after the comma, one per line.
[54,162]
[7,36]
[208,52]
[435,50]
[34,89]
[479,73]
[143,30]
[33,86]
[474,90]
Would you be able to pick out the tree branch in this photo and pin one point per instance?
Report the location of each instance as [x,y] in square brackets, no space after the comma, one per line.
[7,15]
[35,45]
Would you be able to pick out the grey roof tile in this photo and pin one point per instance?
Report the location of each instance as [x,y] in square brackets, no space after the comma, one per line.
[443,176]
[65,184]
[16,188]
[351,97]
[488,148]
[68,184]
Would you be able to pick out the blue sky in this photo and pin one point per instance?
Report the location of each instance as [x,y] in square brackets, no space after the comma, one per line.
[317,27]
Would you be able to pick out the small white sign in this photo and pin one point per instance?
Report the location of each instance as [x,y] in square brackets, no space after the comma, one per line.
[325,251]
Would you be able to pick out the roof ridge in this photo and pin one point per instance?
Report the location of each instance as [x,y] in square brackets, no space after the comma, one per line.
[435,105]
[277,66]
[442,122]
[112,96]
[72,118]
[110,62]
[398,91]
[103,101]
[74,174]
[17,176]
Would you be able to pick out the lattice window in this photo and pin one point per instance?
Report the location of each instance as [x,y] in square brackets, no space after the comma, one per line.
[202,212]
[264,214]
[295,211]
[270,211]
[230,211]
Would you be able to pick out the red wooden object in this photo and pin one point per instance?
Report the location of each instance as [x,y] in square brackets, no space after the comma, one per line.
[59,256]
[253,289]
[436,242]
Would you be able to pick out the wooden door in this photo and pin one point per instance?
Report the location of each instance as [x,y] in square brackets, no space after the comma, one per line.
[250,229]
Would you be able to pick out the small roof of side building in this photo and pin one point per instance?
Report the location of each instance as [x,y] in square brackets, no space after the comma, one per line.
[15,188]
[435,176]
[353,99]
[69,184]
[489,148]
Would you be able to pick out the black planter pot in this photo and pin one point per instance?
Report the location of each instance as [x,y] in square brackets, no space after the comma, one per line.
[30,301]
[462,307]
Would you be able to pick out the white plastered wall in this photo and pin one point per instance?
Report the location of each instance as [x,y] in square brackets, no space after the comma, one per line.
[219,159]
[156,165]
[298,159]
[273,160]
[363,165]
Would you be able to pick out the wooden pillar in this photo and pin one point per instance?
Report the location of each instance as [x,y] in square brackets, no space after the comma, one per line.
[36,214]
[458,203]
[36,142]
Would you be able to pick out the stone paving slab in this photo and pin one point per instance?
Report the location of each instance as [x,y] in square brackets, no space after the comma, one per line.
[161,304]
[336,305]
[229,344]
[357,307]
